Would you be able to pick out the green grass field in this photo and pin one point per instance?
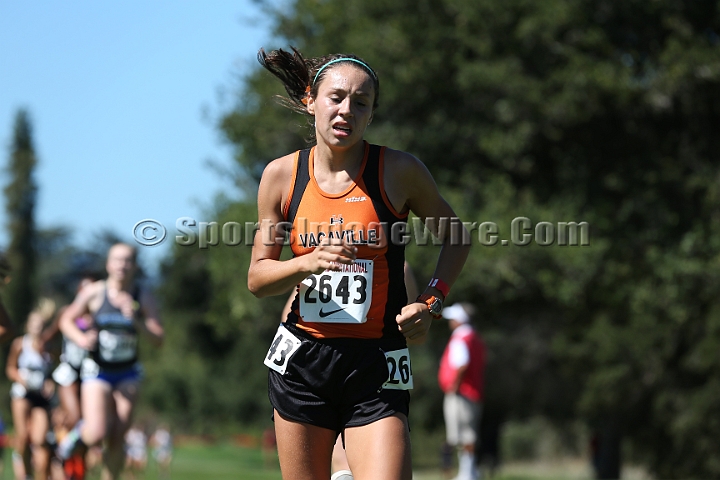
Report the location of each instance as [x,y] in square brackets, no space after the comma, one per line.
[222,462]
[199,462]
[231,462]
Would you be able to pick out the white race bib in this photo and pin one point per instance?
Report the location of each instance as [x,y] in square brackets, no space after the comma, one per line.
[282,348]
[117,346]
[34,379]
[89,369]
[65,375]
[74,355]
[400,377]
[338,297]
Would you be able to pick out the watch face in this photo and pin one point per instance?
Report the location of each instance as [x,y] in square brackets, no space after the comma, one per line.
[436,307]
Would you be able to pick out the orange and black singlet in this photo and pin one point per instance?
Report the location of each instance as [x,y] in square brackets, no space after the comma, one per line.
[363,299]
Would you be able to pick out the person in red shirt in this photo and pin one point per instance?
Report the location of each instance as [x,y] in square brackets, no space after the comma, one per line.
[461,379]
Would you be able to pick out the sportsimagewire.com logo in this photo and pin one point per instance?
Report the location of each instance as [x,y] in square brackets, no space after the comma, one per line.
[522,232]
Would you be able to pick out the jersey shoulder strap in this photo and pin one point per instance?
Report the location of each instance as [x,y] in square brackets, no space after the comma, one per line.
[302,177]
[371,178]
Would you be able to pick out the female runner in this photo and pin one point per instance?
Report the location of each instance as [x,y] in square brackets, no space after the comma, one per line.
[340,363]
[29,366]
[120,311]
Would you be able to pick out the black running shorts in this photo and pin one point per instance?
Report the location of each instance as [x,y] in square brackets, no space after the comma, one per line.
[335,383]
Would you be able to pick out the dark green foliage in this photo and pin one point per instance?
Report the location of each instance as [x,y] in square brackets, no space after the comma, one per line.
[20,200]
[62,263]
[217,336]
[562,110]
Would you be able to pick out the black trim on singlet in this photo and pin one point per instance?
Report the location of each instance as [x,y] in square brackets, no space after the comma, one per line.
[395,255]
[107,308]
[302,178]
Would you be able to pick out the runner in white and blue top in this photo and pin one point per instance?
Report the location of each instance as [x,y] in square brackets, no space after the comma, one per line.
[115,356]
[111,374]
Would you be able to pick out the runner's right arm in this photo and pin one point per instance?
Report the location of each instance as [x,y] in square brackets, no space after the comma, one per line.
[79,307]
[268,275]
[151,324]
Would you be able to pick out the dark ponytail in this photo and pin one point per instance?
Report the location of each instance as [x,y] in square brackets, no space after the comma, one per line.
[293,71]
[298,76]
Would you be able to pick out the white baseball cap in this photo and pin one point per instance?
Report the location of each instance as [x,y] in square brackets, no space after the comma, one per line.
[456,312]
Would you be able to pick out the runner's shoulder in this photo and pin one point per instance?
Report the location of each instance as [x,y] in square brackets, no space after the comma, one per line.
[275,181]
[393,155]
[405,175]
[399,163]
[17,343]
[92,295]
[93,290]
[279,168]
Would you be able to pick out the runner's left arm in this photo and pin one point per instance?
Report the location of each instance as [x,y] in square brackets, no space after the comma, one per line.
[410,284]
[11,365]
[414,183]
[52,329]
[151,319]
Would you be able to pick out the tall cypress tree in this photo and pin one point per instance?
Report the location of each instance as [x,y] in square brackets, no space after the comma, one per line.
[21,196]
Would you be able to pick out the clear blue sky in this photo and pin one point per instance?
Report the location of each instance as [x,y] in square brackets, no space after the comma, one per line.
[116,93]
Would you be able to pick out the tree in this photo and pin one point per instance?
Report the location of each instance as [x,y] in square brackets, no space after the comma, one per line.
[217,334]
[21,195]
[559,110]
